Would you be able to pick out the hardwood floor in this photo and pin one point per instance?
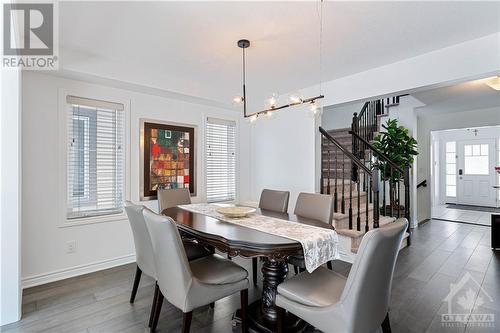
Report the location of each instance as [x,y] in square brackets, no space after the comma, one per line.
[441,253]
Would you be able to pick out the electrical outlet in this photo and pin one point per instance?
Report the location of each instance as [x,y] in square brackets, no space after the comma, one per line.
[71,246]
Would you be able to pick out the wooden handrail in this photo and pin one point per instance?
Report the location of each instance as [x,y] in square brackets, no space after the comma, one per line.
[345,152]
[423,183]
[379,153]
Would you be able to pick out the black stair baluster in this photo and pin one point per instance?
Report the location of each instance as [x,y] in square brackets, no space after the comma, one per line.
[367,226]
[375,190]
[391,193]
[328,170]
[358,220]
[399,198]
[322,177]
[350,198]
[407,202]
[384,207]
[366,213]
[343,188]
[335,197]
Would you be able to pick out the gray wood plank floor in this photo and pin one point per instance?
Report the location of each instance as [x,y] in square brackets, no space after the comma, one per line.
[442,253]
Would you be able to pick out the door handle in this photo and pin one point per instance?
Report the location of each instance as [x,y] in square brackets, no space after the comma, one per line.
[460,172]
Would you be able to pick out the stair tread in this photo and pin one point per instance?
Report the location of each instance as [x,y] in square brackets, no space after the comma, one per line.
[353,233]
[362,210]
[405,236]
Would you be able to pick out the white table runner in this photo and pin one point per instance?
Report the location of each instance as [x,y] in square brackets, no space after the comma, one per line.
[320,245]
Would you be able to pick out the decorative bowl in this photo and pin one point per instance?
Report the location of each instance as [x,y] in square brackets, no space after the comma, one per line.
[235,212]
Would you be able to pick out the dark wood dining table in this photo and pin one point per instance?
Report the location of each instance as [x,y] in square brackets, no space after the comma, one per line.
[237,240]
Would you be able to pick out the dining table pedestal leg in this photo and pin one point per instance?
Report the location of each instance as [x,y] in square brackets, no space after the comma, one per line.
[262,314]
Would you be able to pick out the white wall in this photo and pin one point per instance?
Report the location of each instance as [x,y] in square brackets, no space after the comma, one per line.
[429,122]
[10,196]
[103,244]
[465,61]
[340,116]
[284,153]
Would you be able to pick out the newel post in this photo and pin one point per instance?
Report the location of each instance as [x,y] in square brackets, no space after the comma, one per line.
[375,191]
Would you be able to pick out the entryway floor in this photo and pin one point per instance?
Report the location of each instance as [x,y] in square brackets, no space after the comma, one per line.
[460,215]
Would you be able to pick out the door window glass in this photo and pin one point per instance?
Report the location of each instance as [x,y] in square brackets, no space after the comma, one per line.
[451,169]
[476,159]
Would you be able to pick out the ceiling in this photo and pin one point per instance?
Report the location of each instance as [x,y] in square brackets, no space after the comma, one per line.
[472,95]
[190,47]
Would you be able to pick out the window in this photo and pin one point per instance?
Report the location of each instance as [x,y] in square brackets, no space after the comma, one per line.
[221,160]
[451,169]
[476,159]
[95,157]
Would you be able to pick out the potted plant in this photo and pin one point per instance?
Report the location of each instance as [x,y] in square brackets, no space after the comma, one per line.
[401,148]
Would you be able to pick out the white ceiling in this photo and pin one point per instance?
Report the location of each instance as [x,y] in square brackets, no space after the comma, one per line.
[466,96]
[190,47]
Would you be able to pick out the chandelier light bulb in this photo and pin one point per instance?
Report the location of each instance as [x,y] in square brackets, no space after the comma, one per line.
[295,98]
[253,118]
[272,101]
[238,99]
[314,107]
[269,114]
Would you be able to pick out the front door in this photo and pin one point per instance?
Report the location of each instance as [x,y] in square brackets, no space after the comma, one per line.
[476,172]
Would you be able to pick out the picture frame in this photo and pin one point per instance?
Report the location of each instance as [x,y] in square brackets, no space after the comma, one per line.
[168,153]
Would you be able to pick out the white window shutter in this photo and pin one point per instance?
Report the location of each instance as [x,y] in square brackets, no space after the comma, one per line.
[95,157]
[221,160]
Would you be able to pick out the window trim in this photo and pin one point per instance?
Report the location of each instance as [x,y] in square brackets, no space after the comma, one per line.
[92,94]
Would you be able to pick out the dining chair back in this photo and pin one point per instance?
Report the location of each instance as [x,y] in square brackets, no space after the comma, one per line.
[358,304]
[276,201]
[142,241]
[365,298]
[172,265]
[168,198]
[315,206]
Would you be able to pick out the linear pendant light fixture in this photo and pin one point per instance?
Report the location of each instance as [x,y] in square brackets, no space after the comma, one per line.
[272,101]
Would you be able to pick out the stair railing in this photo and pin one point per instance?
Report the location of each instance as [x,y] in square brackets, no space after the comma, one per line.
[365,125]
[391,176]
[360,177]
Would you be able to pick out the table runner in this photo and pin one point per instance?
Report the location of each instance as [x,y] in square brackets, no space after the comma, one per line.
[320,245]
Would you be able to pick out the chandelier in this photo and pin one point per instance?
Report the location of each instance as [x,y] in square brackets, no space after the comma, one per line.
[272,102]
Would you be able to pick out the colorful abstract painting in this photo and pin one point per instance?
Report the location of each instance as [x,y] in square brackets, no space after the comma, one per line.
[168,158]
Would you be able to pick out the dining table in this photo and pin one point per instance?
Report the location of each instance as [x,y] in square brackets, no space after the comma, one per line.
[238,240]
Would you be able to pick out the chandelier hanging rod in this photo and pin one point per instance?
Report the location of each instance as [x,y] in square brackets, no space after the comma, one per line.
[276,108]
[243,44]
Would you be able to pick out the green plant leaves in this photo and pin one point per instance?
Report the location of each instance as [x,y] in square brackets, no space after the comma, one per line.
[398,146]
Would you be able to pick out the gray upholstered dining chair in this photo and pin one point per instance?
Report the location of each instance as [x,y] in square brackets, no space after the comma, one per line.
[168,198]
[360,303]
[190,284]
[144,249]
[312,206]
[273,201]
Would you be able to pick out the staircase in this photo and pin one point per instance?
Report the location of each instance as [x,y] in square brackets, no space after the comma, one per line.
[350,173]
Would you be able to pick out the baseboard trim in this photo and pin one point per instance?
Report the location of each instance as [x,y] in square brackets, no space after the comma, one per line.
[36,280]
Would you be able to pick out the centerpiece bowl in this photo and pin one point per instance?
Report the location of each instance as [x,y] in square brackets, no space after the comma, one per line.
[235,212]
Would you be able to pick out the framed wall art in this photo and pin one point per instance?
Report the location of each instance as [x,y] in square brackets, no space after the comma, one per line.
[168,158]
